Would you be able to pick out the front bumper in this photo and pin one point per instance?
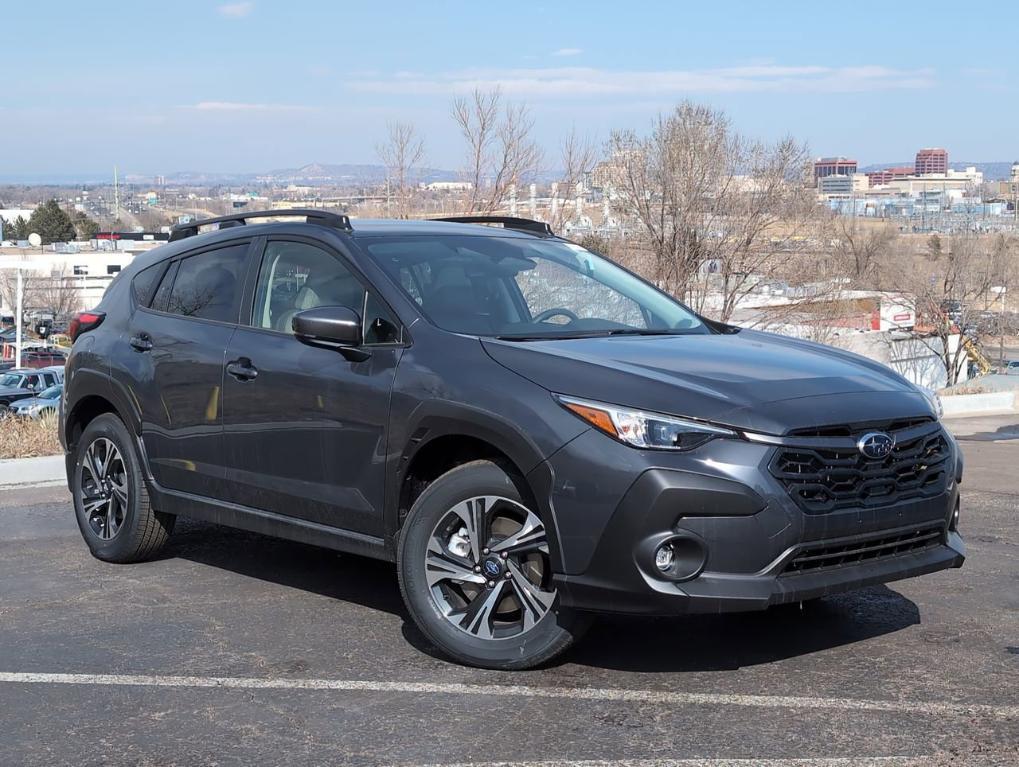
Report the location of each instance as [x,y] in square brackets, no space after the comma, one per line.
[741,542]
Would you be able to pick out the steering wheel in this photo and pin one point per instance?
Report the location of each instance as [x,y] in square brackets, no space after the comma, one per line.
[556,311]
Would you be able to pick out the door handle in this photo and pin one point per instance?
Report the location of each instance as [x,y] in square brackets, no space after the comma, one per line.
[242,369]
[141,342]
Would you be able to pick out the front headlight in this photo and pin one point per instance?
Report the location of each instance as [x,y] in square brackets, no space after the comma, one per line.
[935,400]
[640,429]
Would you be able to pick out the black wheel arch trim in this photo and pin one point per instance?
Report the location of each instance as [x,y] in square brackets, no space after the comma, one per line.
[436,419]
[93,383]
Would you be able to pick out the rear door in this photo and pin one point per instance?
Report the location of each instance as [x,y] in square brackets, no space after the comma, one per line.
[178,346]
[304,427]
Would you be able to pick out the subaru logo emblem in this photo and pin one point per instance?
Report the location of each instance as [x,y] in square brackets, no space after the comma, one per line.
[492,568]
[876,445]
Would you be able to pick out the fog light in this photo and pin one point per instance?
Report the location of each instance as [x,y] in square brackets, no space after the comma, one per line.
[664,557]
[955,518]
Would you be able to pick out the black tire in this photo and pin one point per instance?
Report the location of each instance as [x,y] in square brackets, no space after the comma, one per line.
[546,638]
[139,531]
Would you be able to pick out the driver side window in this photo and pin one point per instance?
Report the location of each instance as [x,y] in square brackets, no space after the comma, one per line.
[296,276]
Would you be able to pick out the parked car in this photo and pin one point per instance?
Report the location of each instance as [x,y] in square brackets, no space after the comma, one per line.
[530,432]
[47,402]
[22,383]
[1011,368]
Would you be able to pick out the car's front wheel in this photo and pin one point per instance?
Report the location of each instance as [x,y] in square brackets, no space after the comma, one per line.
[111,501]
[475,572]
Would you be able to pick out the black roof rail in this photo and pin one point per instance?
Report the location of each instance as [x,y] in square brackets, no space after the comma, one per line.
[508,222]
[311,215]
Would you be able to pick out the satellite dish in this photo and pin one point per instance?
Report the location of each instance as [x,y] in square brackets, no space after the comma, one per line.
[34,240]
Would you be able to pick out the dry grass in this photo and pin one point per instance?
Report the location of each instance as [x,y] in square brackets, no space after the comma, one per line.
[28,437]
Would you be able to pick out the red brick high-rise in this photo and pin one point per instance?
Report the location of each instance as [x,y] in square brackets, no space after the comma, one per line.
[934,160]
[833,166]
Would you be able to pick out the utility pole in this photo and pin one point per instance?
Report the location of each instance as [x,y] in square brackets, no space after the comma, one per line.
[116,194]
[19,313]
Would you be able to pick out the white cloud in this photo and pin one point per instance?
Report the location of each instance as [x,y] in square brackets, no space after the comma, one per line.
[240,106]
[588,82]
[568,52]
[236,10]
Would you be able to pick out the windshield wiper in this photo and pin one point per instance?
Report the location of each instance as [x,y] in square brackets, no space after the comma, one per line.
[639,332]
[592,334]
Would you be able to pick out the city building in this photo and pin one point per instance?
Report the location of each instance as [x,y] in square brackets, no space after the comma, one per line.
[841,185]
[884,176]
[833,166]
[931,160]
[449,186]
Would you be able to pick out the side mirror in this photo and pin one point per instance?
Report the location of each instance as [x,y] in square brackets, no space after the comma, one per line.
[331,327]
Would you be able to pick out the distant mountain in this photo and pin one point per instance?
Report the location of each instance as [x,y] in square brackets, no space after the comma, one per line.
[312,174]
[993,171]
[328,174]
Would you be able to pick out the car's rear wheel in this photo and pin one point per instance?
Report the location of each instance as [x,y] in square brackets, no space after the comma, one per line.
[111,502]
[476,575]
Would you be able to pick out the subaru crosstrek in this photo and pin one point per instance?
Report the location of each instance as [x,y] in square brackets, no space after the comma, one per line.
[529,431]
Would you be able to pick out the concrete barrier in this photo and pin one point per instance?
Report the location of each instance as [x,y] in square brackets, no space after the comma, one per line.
[979,404]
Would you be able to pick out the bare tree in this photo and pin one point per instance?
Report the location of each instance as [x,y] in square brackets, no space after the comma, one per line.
[402,152]
[577,158]
[861,246]
[720,214]
[664,180]
[947,296]
[499,147]
[58,294]
[760,230]
[30,284]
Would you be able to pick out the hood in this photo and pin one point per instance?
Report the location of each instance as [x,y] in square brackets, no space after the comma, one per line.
[749,380]
[4,390]
[21,404]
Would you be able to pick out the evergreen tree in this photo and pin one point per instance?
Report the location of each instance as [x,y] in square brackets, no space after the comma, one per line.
[52,223]
[16,229]
[85,228]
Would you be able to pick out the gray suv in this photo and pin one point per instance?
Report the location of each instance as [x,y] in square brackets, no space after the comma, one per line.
[530,432]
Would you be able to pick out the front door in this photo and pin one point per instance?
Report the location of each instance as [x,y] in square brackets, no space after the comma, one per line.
[304,427]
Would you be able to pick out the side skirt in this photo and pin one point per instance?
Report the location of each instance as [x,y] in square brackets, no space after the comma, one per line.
[268,523]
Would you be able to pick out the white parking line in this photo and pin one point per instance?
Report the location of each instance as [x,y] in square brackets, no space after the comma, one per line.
[873,761]
[929,708]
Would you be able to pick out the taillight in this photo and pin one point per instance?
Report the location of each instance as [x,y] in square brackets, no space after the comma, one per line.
[84,322]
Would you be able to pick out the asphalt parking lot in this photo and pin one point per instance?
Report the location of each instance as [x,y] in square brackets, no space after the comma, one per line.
[238,649]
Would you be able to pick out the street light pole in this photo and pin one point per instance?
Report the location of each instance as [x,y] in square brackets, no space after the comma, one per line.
[19,300]
[18,314]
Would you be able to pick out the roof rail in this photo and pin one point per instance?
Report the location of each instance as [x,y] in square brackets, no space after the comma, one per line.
[311,215]
[508,222]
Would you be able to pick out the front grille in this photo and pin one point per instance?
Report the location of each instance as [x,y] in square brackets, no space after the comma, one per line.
[825,557]
[820,480]
[849,430]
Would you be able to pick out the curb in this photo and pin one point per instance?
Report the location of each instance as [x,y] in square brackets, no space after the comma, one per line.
[42,471]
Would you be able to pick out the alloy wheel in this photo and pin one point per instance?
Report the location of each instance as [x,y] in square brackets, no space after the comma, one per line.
[487,568]
[102,484]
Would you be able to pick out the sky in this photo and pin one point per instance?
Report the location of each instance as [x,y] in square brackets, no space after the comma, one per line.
[159,87]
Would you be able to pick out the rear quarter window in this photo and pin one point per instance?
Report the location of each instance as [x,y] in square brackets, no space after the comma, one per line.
[144,283]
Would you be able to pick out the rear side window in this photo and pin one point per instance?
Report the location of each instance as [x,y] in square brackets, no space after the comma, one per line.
[208,285]
[163,292]
[144,283]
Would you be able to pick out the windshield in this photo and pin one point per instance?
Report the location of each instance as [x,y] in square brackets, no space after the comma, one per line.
[52,392]
[11,380]
[521,289]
